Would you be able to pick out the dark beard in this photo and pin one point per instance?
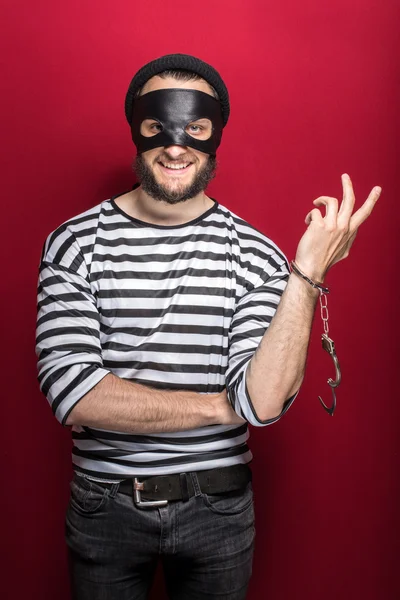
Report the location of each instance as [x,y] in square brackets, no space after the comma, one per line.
[159,192]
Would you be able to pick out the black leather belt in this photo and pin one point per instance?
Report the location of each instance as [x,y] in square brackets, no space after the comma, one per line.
[158,490]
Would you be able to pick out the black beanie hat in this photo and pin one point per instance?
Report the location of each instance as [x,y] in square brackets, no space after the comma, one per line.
[178,61]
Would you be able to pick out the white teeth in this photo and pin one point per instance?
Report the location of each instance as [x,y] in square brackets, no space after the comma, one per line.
[175,166]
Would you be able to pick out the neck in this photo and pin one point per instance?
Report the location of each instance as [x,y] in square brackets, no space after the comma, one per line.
[140,205]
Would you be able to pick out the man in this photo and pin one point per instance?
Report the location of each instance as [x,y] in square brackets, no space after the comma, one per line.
[160,338]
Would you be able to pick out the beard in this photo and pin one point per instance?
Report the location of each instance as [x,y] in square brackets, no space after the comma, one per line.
[180,194]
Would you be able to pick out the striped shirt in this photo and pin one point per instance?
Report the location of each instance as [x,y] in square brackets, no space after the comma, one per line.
[173,307]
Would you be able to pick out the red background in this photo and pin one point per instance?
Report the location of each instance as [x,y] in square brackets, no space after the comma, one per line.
[315,92]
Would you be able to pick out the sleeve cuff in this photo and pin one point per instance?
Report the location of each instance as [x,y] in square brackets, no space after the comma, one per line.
[64,410]
[240,400]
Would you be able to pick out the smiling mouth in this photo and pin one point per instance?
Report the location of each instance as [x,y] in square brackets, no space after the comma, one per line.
[175,168]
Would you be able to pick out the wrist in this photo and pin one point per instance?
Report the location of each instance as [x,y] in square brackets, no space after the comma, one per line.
[312,281]
[303,288]
[224,413]
[312,271]
[211,407]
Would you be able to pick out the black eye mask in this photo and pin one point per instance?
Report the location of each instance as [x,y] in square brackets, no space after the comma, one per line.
[174,109]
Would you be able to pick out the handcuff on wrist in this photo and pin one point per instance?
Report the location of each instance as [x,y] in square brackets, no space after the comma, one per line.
[327,343]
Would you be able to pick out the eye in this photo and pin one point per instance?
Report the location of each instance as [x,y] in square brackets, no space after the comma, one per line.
[195,128]
[200,129]
[150,127]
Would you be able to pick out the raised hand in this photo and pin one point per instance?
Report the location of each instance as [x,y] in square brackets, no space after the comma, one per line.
[328,238]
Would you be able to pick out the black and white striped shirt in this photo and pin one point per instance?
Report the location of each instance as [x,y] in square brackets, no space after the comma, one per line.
[173,307]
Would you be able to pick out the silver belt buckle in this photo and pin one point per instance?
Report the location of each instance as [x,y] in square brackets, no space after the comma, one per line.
[139,487]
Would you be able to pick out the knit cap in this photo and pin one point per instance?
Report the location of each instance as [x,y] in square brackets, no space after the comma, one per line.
[178,61]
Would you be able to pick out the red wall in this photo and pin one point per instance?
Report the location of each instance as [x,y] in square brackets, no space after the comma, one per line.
[314,91]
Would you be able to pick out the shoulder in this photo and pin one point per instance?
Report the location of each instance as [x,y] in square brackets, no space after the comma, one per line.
[74,236]
[252,241]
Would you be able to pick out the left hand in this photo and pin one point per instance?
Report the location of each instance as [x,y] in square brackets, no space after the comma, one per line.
[328,239]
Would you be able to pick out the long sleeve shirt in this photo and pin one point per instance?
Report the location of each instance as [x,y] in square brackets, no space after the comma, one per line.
[180,307]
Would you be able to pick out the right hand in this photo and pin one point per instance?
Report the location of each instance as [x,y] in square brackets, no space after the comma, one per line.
[226,412]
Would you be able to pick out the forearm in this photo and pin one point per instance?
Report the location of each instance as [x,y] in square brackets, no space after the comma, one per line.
[119,405]
[276,370]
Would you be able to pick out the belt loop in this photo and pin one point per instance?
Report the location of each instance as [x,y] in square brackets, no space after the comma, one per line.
[184,486]
[114,489]
[196,485]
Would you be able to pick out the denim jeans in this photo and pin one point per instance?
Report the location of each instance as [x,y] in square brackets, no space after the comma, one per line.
[205,544]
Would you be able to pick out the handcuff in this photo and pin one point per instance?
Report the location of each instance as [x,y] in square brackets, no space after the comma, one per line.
[327,343]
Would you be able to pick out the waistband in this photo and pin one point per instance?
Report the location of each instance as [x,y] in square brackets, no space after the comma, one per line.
[181,486]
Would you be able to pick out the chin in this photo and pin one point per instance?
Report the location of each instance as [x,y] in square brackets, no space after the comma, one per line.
[175,187]
[174,195]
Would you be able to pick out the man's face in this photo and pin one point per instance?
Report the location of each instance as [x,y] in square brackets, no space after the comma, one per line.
[175,173]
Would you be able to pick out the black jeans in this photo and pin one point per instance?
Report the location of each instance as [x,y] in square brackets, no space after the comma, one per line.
[205,544]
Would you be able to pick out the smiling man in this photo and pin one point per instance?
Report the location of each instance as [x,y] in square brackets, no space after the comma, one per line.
[167,324]
[176,173]
[177,150]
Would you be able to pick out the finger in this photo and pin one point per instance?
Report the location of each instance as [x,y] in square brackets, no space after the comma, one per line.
[313,215]
[331,207]
[365,210]
[346,208]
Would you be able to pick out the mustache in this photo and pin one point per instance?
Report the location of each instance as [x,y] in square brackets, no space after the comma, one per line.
[181,158]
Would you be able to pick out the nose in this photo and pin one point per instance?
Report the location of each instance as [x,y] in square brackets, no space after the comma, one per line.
[175,151]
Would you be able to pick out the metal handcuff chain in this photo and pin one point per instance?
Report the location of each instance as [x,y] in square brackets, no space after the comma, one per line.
[329,346]
[327,343]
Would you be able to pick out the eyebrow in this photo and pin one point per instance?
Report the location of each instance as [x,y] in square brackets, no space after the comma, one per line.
[201,119]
